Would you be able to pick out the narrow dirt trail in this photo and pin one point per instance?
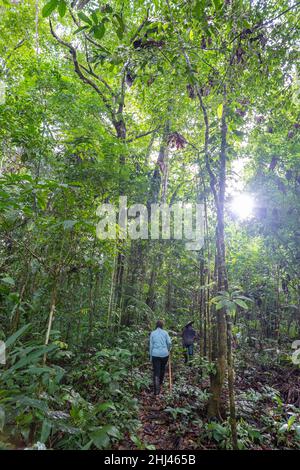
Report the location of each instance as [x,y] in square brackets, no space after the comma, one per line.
[156,429]
[161,429]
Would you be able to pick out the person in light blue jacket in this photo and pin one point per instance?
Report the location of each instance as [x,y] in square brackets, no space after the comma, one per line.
[160,345]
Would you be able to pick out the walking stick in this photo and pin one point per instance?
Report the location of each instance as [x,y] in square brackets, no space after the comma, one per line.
[170,373]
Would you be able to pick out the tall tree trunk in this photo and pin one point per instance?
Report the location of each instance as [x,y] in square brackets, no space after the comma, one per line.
[120,262]
[223,318]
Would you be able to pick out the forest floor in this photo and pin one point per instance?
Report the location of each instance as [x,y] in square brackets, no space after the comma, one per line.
[106,390]
[267,404]
[163,418]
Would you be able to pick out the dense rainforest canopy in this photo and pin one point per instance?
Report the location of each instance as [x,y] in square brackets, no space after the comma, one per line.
[160,102]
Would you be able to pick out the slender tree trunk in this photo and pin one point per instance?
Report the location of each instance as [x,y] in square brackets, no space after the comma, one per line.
[51,315]
[16,316]
[217,379]
[202,316]
[111,295]
[120,262]
[91,301]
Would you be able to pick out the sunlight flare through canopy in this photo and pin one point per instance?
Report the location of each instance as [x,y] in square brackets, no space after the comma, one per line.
[242,206]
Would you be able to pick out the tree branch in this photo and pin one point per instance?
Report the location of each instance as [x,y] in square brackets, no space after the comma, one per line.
[79,72]
[20,44]
[266,23]
[212,177]
[142,135]
[140,27]
[88,38]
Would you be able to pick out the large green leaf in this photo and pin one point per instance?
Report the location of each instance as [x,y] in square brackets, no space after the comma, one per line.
[85,18]
[99,30]
[29,359]
[69,224]
[8,280]
[105,406]
[241,303]
[49,8]
[32,403]
[62,8]
[13,338]
[46,430]
[101,436]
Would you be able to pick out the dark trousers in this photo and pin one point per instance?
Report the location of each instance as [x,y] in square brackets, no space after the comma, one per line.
[189,352]
[159,367]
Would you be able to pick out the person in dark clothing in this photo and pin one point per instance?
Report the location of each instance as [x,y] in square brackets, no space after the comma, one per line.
[159,349]
[159,367]
[188,338]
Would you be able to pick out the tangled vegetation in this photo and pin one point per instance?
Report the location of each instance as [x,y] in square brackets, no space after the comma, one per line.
[160,102]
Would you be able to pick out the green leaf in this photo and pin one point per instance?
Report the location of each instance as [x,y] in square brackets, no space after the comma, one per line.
[120,26]
[100,438]
[217,4]
[220,110]
[85,18]
[38,370]
[107,9]
[105,406]
[8,280]
[241,303]
[116,60]
[95,17]
[245,298]
[112,431]
[82,28]
[283,428]
[296,357]
[30,358]
[45,432]
[99,31]
[33,403]
[119,33]
[13,338]
[199,8]
[62,8]
[87,446]
[291,421]
[120,21]
[49,8]
[295,344]
[69,224]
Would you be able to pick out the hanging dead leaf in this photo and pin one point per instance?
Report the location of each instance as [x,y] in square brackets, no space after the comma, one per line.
[176,141]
